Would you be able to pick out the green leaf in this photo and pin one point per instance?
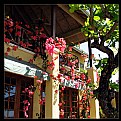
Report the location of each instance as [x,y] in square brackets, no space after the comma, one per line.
[86,35]
[91,31]
[82,29]
[96,18]
[104,29]
[115,71]
[71,10]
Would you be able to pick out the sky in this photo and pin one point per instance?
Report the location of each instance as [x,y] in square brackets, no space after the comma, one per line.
[84,47]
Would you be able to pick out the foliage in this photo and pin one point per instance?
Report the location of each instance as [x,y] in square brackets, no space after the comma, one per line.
[114,85]
[101,22]
[101,28]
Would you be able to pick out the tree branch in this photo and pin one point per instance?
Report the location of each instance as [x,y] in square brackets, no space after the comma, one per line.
[104,49]
[111,30]
[107,36]
[91,15]
[105,12]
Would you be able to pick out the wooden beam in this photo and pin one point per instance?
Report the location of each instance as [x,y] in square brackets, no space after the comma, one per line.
[72,32]
[53,21]
[74,15]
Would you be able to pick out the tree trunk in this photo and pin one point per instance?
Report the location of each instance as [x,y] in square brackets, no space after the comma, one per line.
[105,95]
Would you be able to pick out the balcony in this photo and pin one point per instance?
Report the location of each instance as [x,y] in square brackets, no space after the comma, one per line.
[25,37]
[33,40]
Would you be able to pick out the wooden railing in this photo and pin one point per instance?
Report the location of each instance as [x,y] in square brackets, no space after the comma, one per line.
[24,36]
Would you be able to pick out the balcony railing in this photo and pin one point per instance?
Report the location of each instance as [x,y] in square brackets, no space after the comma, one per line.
[34,40]
[24,36]
[66,60]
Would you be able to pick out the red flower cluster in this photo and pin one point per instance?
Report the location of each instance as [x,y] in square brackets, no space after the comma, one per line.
[25,108]
[51,44]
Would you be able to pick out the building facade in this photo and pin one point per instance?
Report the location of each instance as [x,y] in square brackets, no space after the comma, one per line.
[26,62]
[19,74]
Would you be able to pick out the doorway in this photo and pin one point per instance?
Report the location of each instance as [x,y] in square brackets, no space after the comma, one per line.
[14,86]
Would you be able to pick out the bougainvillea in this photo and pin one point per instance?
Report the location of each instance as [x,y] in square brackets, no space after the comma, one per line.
[49,44]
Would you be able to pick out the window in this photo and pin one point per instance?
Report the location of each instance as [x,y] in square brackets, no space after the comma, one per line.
[63,59]
[70,98]
[13,96]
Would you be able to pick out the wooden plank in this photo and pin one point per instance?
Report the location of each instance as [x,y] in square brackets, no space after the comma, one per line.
[74,15]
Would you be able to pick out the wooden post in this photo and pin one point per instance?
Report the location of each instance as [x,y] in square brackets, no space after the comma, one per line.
[53,21]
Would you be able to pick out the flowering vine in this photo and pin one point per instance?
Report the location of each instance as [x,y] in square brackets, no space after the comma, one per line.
[43,44]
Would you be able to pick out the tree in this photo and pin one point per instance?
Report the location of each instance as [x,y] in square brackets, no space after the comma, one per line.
[101,26]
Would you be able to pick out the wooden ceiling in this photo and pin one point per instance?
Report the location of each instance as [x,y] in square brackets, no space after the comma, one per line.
[68,25]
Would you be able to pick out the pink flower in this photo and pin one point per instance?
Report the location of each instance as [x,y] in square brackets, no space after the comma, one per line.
[44,72]
[88,116]
[67,78]
[76,61]
[69,55]
[40,101]
[25,101]
[70,48]
[91,92]
[51,44]
[55,58]
[21,43]
[18,27]
[38,49]
[73,77]
[88,81]
[10,23]
[15,47]
[26,107]
[31,93]
[6,40]
[63,88]
[27,26]
[18,33]
[59,75]
[35,77]
[10,30]
[39,81]
[28,44]
[88,108]
[8,49]
[50,48]
[34,37]
[25,114]
[62,68]
[51,65]
[60,104]
[24,45]
[84,98]
[77,85]
[56,91]
[31,60]
[26,89]
[43,35]
[83,76]
[61,113]
[62,80]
